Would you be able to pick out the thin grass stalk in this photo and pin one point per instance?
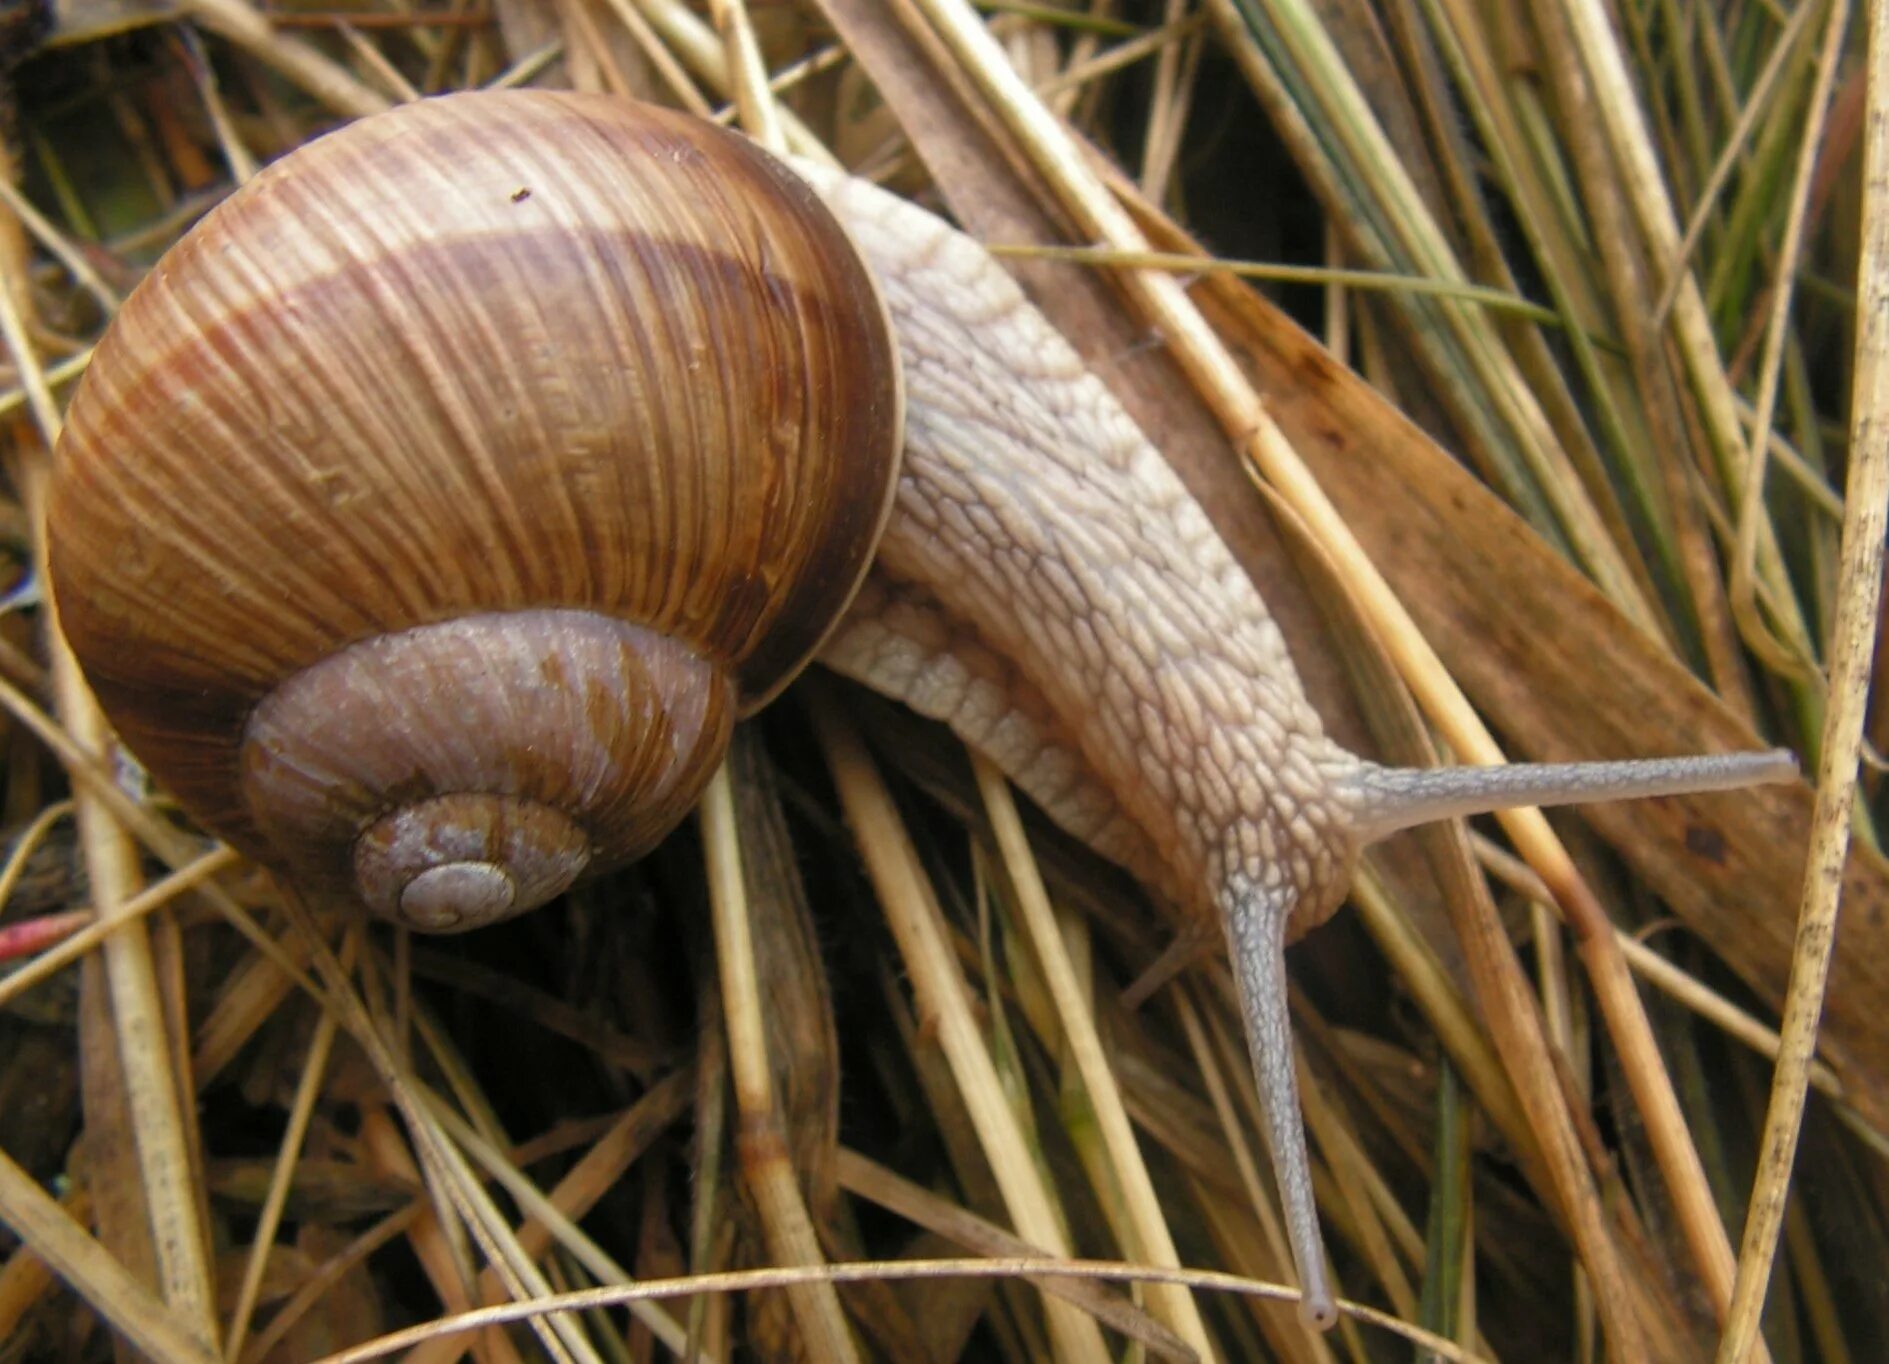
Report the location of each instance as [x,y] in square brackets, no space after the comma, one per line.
[751,1280]
[1207,1063]
[250,996]
[1148,1236]
[710,1233]
[587,1181]
[27,843]
[306,66]
[439,1052]
[1751,506]
[1866,504]
[236,155]
[923,1208]
[1370,241]
[25,1278]
[163,1132]
[657,53]
[1590,429]
[307,1297]
[1448,1238]
[58,244]
[760,116]
[1336,279]
[1529,157]
[435,1239]
[147,901]
[786,1224]
[1540,476]
[269,1220]
[1167,109]
[528,67]
[1815,1291]
[91,1271]
[547,1219]
[1083,73]
[56,376]
[1692,993]
[376,61]
[1737,274]
[1350,1158]
[1690,142]
[1617,103]
[1463,1037]
[88,774]
[459,1195]
[1737,145]
[913,915]
[701,50]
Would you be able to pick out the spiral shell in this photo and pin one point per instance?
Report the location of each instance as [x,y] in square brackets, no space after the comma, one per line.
[428,515]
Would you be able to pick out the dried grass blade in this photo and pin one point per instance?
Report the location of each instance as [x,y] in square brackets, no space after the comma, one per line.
[1498,415]
[245,26]
[1149,1238]
[1859,596]
[913,915]
[301,1110]
[1290,1336]
[163,1126]
[458,1191]
[876,1184]
[1617,103]
[786,1223]
[131,1308]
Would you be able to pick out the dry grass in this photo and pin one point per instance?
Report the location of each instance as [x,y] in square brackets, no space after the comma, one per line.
[1607,479]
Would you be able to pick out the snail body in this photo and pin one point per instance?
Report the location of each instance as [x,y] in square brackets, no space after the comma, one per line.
[429,516]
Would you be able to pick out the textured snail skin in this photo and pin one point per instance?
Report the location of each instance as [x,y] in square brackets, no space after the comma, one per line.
[453,669]
[1048,588]
[1036,525]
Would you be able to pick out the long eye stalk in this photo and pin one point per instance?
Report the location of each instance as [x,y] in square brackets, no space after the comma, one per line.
[1382,801]
[1256,923]
[1387,799]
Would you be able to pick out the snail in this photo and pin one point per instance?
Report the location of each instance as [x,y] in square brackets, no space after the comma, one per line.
[428,516]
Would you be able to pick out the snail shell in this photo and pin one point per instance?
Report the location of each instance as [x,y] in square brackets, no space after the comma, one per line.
[417,529]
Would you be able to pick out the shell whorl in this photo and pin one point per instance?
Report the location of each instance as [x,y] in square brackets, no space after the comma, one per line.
[361,766]
[481,358]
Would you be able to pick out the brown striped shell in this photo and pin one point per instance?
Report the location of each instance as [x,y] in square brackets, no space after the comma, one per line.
[429,514]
